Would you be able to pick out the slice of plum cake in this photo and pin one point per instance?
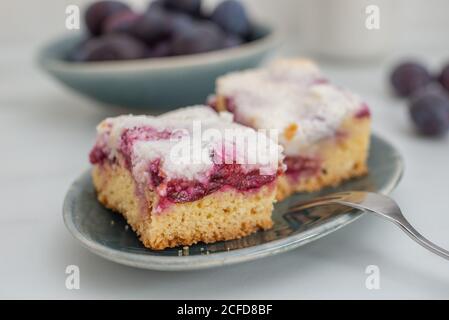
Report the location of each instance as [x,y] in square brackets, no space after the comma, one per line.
[187,176]
[324,129]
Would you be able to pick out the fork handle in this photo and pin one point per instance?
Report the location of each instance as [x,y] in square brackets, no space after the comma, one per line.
[405,226]
[381,206]
[397,218]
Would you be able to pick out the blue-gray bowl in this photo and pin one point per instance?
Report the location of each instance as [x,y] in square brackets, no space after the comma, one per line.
[153,84]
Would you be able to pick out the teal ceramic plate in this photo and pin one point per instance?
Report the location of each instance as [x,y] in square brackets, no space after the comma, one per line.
[157,84]
[106,233]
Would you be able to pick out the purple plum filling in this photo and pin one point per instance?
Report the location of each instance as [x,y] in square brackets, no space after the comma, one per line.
[297,166]
[222,175]
[364,112]
[99,153]
[301,167]
[179,190]
[130,136]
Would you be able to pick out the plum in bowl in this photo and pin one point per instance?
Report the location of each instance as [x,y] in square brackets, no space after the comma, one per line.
[161,59]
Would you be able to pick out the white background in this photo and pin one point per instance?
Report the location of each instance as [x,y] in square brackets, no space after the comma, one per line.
[46,132]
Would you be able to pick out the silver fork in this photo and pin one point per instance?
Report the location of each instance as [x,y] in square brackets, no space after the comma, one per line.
[378,204]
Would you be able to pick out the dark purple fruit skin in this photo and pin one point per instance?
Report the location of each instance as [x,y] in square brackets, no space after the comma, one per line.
[407,78]
[161,49]
[444,77]
[111,47]
[153,26]
[429,110]
[99,11]
[166,28]
[179,22]
[201,37]
[191,7]
[122,22]
[156,4]
[78,53]
[232,41]
[231,16]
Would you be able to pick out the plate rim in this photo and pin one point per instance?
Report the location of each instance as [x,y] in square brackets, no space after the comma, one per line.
[185,263]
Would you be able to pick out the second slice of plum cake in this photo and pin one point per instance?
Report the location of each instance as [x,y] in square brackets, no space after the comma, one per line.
[324,129]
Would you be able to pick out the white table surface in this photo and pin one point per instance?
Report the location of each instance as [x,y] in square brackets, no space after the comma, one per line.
[46,132]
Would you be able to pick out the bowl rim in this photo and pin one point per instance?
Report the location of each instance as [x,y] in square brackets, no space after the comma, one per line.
[267,42]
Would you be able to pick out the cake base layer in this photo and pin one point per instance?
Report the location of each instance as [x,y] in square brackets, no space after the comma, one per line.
[341,157]
[224,215]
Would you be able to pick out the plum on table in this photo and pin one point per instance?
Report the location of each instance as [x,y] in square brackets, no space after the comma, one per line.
[429,110]
[409,77]
[444,77]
